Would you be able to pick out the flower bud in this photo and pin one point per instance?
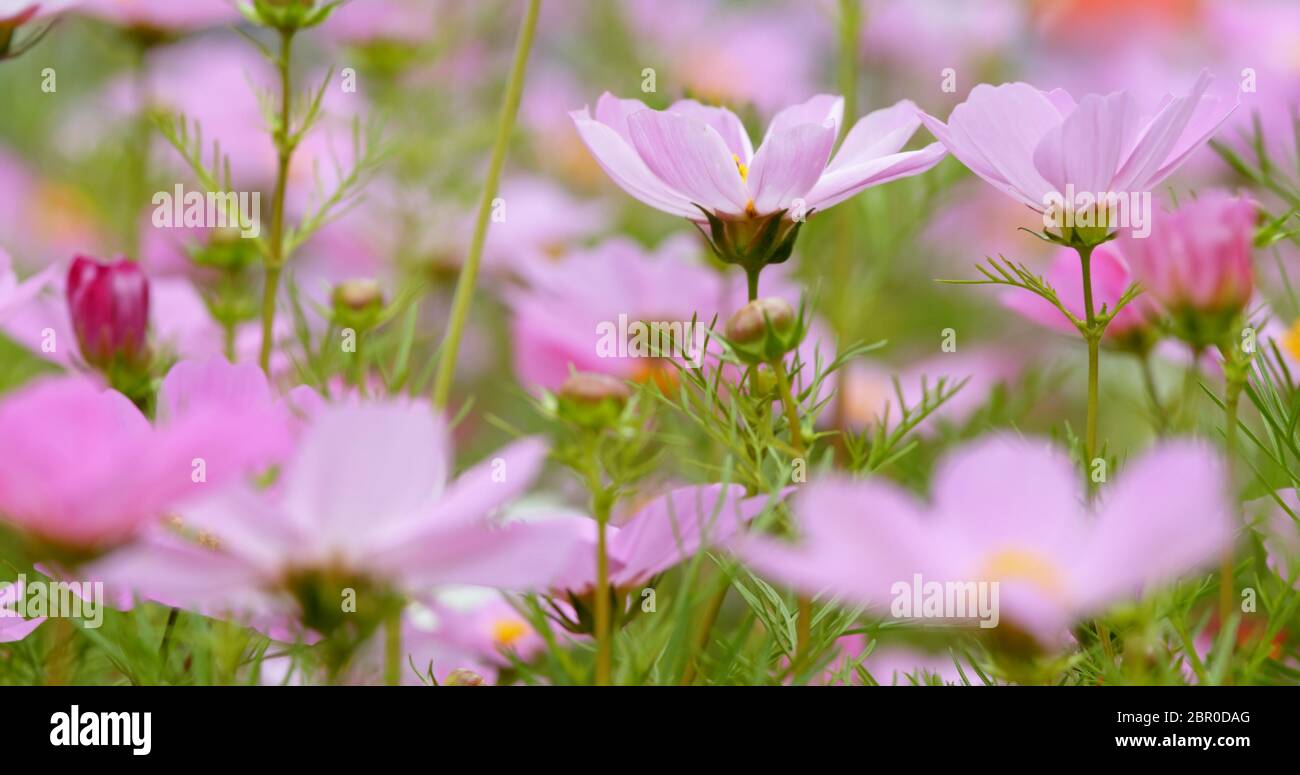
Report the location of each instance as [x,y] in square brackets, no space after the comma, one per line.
[286,15]
[764,330]
[750,323]
[1196,264]
[592,400]
[109,305]
[358,304]
[463,677]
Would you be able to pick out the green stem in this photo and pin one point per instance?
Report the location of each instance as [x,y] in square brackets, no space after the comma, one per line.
[469,273]
[284,152]
[1093,338]
[803,625]
[1191,378]
[602,624]
[710,617]
[393,648]
[1235,383]
[1153,394]
[751,275]
[791,408]
[850,22]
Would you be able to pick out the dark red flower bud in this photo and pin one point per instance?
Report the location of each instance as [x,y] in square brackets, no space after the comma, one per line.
[109,305]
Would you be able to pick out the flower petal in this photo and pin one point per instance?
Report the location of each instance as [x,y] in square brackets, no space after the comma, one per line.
[691,157]
[788,165]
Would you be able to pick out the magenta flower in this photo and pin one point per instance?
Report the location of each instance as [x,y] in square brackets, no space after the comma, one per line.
[1197,259]
[1032,144]
[109,305]
[1111,277]
[81,469]
[693,156]
[366,502]
[1011,511]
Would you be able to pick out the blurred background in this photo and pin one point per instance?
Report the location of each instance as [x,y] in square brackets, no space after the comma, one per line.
[82,155]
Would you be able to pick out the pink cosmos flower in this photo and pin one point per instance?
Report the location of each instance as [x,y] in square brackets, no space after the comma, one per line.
[1011,511]
[761,54]
[1111,277]
[162,15]
[365,500]
[12,626]
[396,21]
[890,665]
[1198,257]
[647,539]
[82,469]
[692,154]
[572,305]
[1030,144]
[867,391]
[15,293]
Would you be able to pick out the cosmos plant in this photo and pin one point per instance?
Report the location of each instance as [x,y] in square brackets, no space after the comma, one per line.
[449,363]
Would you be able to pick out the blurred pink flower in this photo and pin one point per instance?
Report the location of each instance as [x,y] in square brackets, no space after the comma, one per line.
[1030,143]
[1011,511]
[109,304]
[764,55]
[162,15]
[646,539]
[383,21]
[868,394]
[81,468]
[1110,279]
[922,37]
[557,322]
[890,665]
[693,154]
[1198,257]
[12,626]
[41,219]
[367,498]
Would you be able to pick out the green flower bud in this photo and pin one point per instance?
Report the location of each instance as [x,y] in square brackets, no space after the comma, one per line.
[592,400]
[764,330]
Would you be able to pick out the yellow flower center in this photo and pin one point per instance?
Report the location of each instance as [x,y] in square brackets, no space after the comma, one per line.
[1025,565]
[744,169]
[1291,340]
[506,632]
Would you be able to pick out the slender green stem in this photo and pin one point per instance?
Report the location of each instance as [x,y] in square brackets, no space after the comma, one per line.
[710,617]
[1158,410]
[791,408]
[393,647]
[469,272]
[1191,378]
[1093,338]
[602,614]
[1227,589]
[803,624]
[751,275]
[850,22]
[172,616]
[284,147]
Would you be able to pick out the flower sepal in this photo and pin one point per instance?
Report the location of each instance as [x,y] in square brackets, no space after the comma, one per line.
[752,243]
